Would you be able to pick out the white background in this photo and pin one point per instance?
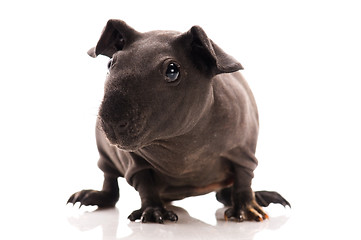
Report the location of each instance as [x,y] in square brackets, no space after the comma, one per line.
[302,60]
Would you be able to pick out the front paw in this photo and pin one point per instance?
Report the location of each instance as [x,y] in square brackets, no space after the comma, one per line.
[250,211]
[153,214]
[102,199]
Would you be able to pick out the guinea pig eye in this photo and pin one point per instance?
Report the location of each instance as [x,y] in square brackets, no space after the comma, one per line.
[172,72]
[110,63]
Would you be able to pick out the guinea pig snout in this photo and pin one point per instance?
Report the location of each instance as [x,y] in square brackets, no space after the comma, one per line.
[115,113]
[114,132]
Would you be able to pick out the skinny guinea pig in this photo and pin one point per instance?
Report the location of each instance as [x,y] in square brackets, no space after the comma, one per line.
[177,120]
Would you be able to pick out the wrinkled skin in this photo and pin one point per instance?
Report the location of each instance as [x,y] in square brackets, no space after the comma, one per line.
[177,120]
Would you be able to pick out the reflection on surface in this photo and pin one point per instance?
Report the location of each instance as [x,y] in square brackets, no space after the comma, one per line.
[186,228]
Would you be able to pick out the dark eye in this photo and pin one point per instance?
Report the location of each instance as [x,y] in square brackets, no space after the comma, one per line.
[172,72]
[110,63]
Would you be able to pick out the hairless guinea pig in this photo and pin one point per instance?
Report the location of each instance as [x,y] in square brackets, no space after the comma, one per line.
[177,120]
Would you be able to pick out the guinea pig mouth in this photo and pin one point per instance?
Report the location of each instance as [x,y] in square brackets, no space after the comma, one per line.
[130,148]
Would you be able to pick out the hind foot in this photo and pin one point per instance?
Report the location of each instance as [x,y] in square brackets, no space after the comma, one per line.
[265,198]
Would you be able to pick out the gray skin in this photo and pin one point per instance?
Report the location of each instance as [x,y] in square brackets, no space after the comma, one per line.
[175,134]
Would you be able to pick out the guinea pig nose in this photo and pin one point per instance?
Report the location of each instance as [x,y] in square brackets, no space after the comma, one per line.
[122,125]
[115,110]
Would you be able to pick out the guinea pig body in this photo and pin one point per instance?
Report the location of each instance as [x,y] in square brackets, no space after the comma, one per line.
[177,120]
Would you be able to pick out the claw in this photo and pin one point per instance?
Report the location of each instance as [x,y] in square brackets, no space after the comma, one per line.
[259,219]
[70,200]
[160,220]
[232,214]
[153,214]
[158,216]
[144,220]
[170,215]
[137,214]
[251,211]
[257,214]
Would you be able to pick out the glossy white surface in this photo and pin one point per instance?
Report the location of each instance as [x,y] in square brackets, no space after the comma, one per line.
[209,224]
[44,215]
[302,61]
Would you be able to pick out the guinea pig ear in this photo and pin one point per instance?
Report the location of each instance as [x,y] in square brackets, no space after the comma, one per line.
[114,37]
[207,55]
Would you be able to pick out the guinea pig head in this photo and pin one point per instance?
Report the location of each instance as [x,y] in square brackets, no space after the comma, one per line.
[159,83]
